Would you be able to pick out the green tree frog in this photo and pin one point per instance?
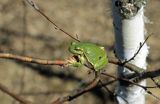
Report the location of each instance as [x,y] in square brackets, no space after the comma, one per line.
[90,54]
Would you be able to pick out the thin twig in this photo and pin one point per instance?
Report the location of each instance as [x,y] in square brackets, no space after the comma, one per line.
[33,4]
[150,93]
[61,62]
[32,60]
[155,82]
[140,47]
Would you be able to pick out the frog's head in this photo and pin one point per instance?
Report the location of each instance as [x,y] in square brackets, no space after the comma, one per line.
[75,48]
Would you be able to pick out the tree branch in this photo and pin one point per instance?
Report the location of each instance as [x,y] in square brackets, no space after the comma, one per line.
[62,62]
[32,60]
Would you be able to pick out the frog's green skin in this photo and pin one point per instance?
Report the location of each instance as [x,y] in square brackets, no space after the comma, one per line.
[89,52]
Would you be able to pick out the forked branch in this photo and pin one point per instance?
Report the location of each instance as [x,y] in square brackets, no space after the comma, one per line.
[140,47]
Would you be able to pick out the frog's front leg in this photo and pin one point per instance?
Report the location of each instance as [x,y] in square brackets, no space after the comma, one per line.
[76,61]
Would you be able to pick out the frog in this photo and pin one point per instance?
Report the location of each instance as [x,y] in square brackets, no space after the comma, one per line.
[91,54]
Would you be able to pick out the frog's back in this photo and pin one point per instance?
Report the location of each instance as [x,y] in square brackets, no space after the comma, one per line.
[95,54]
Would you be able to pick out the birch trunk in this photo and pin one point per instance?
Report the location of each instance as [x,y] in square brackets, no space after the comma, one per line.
[129,33]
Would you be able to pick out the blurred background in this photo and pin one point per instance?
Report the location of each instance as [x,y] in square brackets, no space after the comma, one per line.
[24,32]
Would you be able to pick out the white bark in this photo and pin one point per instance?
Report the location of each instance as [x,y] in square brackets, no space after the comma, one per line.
[129,33]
